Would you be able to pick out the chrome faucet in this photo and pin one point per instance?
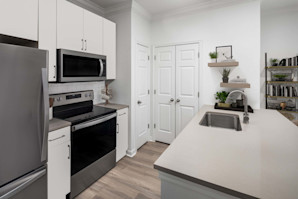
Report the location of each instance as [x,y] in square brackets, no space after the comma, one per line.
[244,97]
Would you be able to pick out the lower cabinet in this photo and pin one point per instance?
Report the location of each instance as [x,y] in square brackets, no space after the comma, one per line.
[59,163]
[122,133]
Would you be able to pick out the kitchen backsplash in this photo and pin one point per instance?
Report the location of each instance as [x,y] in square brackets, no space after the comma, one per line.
[55,88]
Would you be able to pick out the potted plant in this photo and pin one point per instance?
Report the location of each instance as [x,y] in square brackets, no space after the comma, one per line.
[213,56]
[280,77]
[225,75]
[274,62]
[222,97]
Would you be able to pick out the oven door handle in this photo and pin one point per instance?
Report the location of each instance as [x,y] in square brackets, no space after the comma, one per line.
[92,122]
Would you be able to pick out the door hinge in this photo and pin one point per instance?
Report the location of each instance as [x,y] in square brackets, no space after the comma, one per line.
[154,57]
[148,126]
[198,54]
[148,92]
[155,126]
[198,94]
[148,57]
[155,92]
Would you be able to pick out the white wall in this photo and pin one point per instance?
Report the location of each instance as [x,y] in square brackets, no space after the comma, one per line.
[79,86]
[237,25]
[121,87]
[279,38]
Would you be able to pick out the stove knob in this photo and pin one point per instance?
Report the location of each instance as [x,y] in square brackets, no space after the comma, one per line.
[90,95]
[86,95]
[58,99]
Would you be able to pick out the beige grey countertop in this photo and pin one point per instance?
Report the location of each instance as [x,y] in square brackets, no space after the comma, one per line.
[261,161]
[56,124]
[113,106]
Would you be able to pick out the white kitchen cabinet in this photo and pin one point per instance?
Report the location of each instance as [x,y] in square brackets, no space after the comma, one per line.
[47,34]
[122,133]
[59,163]
[109,47]
[78,29]
[19,18]
[70,26]
[93,33]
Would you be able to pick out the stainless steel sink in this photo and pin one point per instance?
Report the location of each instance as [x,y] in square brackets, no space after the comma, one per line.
[221,120]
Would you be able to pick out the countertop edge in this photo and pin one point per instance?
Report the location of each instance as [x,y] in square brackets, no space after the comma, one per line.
[113,106]
[204,183]
[56,124]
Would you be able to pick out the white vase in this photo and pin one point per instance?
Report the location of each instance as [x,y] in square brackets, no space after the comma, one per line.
[213,60]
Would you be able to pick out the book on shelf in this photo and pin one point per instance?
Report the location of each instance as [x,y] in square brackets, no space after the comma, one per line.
[282,91]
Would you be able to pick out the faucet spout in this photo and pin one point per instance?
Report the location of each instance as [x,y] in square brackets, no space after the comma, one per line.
[245,114]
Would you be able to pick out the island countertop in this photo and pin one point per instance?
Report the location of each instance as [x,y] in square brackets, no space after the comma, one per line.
[261,161]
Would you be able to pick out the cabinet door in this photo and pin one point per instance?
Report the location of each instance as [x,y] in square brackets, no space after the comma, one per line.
[59,164]
[122,133]
[47,33]
[109,47]
[93,33]
[70,26]
[19,18]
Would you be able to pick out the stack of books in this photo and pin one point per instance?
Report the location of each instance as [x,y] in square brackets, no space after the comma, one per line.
[282,91]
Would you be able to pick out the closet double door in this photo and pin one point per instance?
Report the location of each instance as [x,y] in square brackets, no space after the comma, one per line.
[176,89]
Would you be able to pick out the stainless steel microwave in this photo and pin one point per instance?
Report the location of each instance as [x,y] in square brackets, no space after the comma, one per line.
[76,66]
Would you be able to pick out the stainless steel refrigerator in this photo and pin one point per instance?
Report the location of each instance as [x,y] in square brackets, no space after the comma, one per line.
[24,125]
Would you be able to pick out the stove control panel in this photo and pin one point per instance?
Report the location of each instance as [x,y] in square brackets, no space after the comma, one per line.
[70,98]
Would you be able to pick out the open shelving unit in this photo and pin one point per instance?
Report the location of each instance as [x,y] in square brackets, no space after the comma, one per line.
[281,91]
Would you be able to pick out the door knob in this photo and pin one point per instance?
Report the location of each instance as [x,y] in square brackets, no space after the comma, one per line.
[139,102]
[178,100]
[171,100]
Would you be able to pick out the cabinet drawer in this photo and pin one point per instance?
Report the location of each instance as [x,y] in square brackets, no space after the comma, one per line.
[122,112]
[59,136]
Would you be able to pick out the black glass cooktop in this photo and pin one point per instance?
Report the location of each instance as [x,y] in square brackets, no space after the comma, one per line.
[81,112]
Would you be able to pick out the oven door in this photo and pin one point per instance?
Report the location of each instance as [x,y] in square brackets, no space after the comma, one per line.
[78,66]
[91,141]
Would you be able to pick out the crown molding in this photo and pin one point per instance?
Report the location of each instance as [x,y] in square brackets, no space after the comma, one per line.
[284,10]
[118,8]
[90,6]
[141,11]
[202,6]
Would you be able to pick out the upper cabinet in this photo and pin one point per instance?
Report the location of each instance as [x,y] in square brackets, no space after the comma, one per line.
[70,26]
[47,34]
[109,47]
[93,33]
[19,18]
[78,29]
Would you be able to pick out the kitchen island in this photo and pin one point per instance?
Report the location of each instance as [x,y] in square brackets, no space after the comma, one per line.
[261,161]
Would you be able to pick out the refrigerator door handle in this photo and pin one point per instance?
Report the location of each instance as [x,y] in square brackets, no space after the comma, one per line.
[46,114]
[12,189]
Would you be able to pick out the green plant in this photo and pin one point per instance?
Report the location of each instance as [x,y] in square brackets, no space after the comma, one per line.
[226,72]
[213,55]
[273,60]
[221,96]
[280,76]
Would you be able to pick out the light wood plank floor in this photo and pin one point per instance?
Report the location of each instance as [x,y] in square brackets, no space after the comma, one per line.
[132,178]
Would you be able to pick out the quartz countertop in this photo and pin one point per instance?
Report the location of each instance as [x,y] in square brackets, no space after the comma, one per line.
[113,106]
[56,124]
[261,161]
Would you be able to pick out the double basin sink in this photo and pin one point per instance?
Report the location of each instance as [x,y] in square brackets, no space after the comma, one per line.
[221,120]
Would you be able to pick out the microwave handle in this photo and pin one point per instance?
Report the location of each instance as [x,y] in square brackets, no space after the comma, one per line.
[101,67]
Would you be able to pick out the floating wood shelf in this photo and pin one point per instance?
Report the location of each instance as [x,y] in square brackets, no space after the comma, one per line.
[235,85]
[224,64]
[286,111]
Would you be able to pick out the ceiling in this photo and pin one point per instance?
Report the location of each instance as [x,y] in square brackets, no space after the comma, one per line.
[161,6]
[108,3]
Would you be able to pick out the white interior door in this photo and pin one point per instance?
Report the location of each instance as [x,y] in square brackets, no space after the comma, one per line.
[142,95]
[187,84]
[165,94]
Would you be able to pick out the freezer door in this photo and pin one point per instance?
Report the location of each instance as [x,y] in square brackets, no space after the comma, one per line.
[33,185]
[24,111]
